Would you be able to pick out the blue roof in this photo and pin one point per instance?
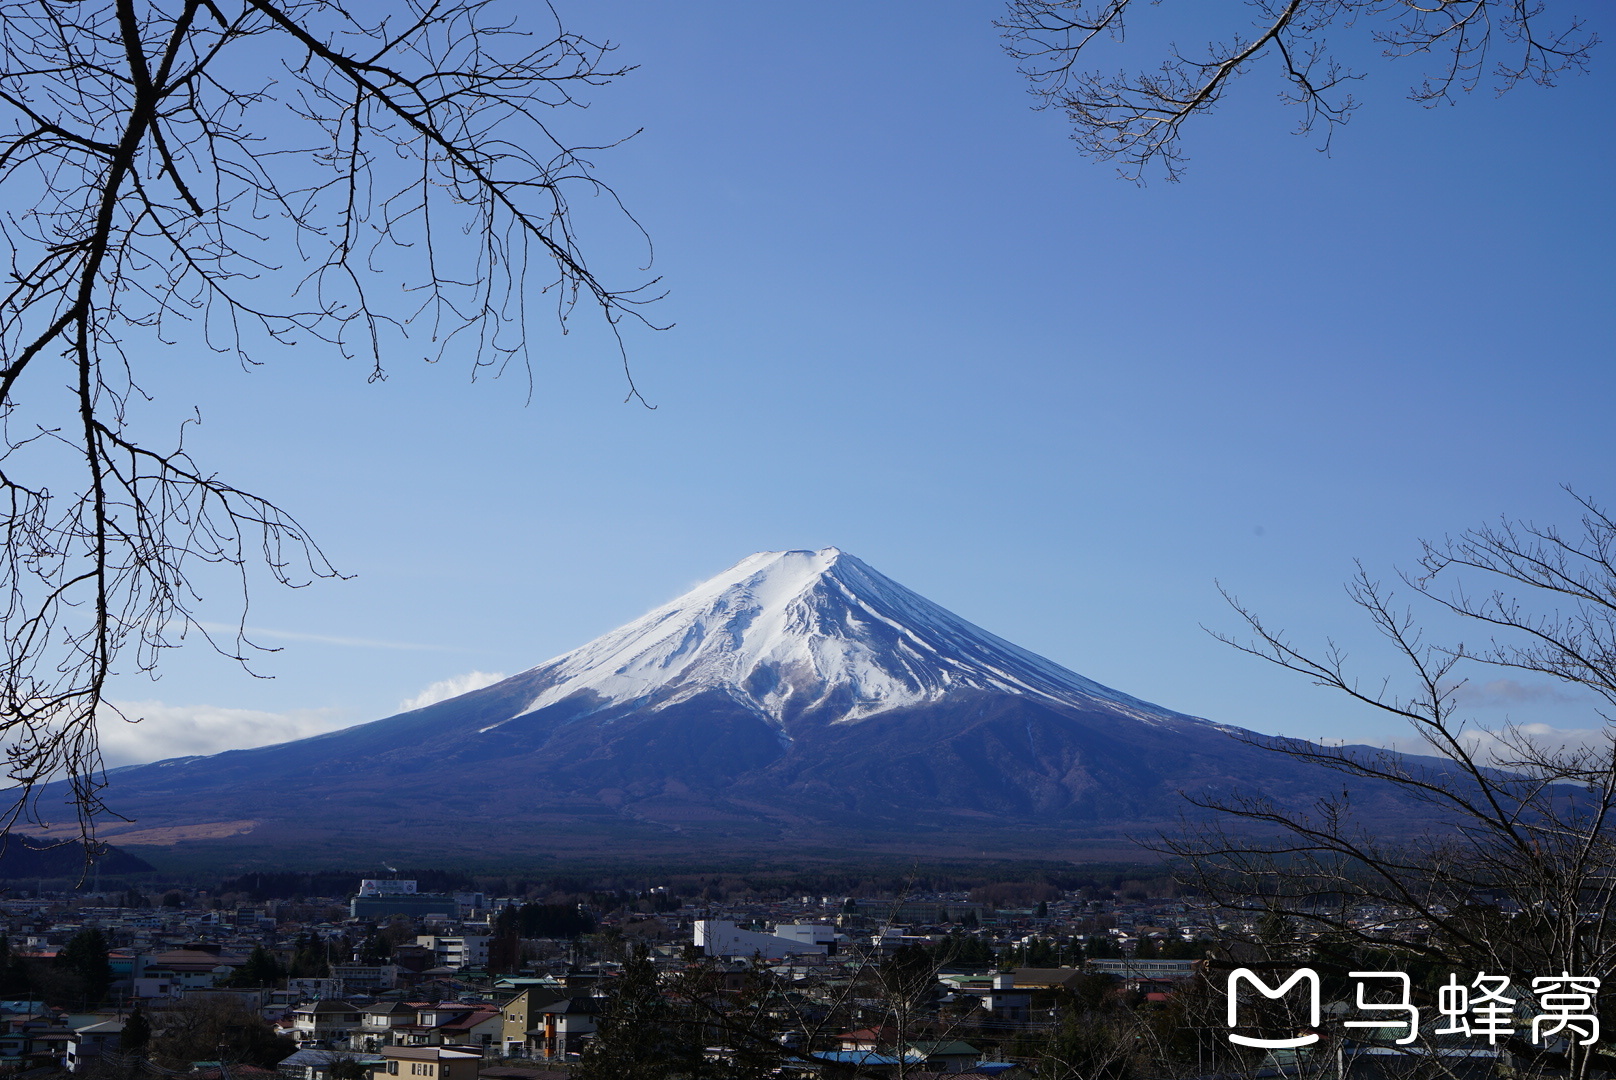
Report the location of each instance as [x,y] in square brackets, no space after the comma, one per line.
[317,1057]
[856,1057]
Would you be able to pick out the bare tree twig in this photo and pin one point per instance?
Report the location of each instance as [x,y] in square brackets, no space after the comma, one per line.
[1137,117]
[238,176]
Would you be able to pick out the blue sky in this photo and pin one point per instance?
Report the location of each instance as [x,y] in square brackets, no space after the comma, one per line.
[912,322]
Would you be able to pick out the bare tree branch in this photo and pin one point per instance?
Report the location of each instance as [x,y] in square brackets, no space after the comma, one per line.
[236,176]
[1136,117]
[1513,870]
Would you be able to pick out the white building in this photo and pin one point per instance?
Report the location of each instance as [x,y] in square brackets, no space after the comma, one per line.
[719,938]
[808,934]
[462,951]
[354,979]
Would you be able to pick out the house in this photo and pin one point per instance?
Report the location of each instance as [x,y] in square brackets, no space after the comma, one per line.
[50,1042]
[453,1024]
[214,1070]
[364,978]
[316,1064]
[856,1063]
[881,1038]
[18,1031]
[252,999]
[562,1026]
[946,1056]
[457,952]
[188,967]
[89,1042]
[154,987]
[1008,1000]
[412,959]
[520,1015]
[1047,978]
[379,1021]
[325,1023]
[426,1063]
[479,1027]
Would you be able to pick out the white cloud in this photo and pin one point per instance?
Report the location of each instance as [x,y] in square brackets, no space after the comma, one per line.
[1495,744]
[166,731]
[323,639]
[1503,693]
[444,689]
[163,731]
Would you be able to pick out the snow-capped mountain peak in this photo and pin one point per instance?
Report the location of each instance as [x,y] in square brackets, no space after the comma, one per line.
[789,633]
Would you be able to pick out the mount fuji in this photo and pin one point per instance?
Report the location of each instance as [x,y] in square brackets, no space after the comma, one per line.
[798,701]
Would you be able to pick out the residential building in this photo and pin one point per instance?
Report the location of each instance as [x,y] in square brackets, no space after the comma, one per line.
[426,1063]
[188,968]
[946,1056]
[89,1042]
[520,1016]
[453,1024]
[563,1026]
[1007,1001]
[456,951]
[378,1023]
[358,979]
[326,1024]
[316,1064]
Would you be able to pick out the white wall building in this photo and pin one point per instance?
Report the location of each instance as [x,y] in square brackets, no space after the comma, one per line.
[808,934]
[466,951]
[720,938]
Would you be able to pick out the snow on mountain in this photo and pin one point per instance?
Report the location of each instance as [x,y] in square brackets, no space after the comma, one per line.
[788,632]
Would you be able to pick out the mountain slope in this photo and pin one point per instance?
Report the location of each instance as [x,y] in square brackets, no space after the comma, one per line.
[798,698]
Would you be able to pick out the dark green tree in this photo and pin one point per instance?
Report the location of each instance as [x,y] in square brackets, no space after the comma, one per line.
[136,1033]
[375,949]
[261,969]
[84,958]
[505,948]
[553,921]
[207,1030]
[637,1035]
[14,976]
[711,1011]
[968,951]
[311,959]
[910,975]
[1087,1044]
